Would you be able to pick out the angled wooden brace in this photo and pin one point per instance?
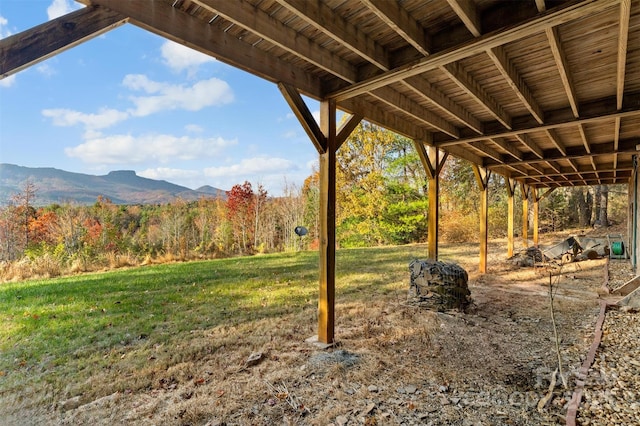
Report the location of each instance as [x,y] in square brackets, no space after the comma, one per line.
[432,161]
[482,177]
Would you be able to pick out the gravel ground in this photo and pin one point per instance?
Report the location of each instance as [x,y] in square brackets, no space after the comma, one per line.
[612,389]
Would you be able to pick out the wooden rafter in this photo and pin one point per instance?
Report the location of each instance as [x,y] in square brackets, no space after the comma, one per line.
[396,17]
[160,18]
[322,18]
[245,15]
[517,83]
[529,27]
[625,13]
[27,48]
[602,110]
[468,14]
[476,91]
[529,143]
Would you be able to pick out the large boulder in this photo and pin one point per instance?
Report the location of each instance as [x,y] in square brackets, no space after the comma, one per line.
[438,285]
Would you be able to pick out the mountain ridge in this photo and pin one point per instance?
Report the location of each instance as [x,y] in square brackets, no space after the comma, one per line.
[120,186]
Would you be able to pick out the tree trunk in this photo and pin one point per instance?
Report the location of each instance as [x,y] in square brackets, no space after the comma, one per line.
[604,204]
[584,202]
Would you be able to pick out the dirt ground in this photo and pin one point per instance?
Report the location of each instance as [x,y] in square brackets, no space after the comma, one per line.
[393,363]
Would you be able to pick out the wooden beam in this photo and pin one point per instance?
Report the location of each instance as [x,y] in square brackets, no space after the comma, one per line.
[603,112]
[555,139]
[399,20]
[563,68]
[482,178]
[160,18]
[41,42]
[625,12]
[323,19]
[468,14]
[304,116]
[558,16]
[489,152]
[529,143]
[326,299]
[517,83]
[417,111]
[432,163]
[421,87]
[467,83]
[510,148]
[245,15]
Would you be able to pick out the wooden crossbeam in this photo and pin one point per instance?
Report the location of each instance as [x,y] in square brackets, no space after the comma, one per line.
[27,48]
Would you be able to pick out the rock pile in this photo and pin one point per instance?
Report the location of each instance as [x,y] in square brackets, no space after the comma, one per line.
[438,285]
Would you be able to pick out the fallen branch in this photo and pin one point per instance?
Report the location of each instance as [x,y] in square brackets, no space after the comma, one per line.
[545,399]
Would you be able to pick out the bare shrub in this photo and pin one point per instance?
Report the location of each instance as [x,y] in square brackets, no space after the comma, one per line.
[457,227]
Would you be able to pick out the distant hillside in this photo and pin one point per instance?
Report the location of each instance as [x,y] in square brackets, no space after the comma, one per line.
[121,187]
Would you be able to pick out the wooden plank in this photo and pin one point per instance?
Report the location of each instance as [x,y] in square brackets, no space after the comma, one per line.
[558,16]
[247,16]
[468,14]
[41,42]
[517,83]
[510,148]
[435,165]
[477,92]
[321,17]
[160,18]
[401,22]
[553,136]
[304,116]
[326,299]
[623,37]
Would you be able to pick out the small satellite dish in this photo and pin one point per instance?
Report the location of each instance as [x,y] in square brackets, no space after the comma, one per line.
[300,231]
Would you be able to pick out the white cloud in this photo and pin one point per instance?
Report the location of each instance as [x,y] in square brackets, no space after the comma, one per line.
[253,166]
[172,175]
[166,96]
[8,81]
[61,7]
[46,70]
[67,117]
[130,149]
[4,31]
[193,128]
[179,57]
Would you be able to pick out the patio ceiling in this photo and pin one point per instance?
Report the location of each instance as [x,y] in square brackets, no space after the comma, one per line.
[545,92]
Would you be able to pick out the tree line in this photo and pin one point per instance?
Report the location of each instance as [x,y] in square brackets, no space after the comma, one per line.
[381,194]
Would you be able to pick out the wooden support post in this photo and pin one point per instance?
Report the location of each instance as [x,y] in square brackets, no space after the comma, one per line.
[432,163]
[536,213]
[482,177]
[525,214]
[511,190]
[326,299]
[327,139]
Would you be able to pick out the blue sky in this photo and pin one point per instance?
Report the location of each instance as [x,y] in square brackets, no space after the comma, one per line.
[131,100]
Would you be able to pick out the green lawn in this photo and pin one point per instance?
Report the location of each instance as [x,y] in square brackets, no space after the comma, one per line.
[69,329]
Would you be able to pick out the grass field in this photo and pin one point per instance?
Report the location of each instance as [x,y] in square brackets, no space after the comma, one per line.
[100,333]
